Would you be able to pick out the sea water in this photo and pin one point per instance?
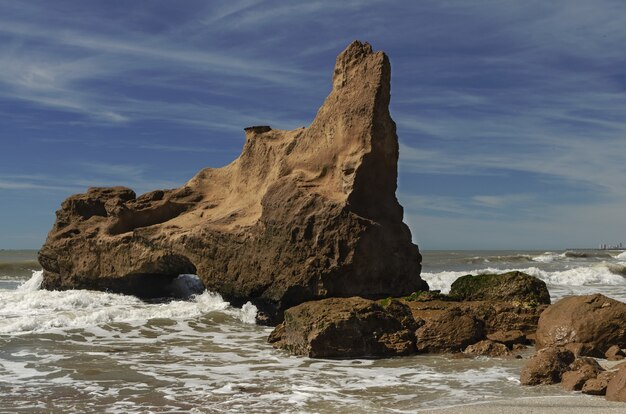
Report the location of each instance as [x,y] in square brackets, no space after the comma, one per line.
[84,351]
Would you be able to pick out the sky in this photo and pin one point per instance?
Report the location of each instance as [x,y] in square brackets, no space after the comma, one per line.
[511,115]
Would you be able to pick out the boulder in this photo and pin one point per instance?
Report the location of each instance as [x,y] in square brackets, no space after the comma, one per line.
[346,328]
[595,322]
[487,348]
[546,366]
[507,287]
[598,385]
[616,388]
[299,215]
[614,353]
[579,372]
[450,331]
[509,338]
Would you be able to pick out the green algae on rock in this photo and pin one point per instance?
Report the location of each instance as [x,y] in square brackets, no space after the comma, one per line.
[512,286]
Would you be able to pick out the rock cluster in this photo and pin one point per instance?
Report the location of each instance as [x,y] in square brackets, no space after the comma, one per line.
[571,332]
[420,323]
[300,215]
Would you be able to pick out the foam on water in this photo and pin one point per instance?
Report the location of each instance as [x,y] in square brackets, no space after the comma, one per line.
[598,274]
[29,309]
[621,256]
[85,351]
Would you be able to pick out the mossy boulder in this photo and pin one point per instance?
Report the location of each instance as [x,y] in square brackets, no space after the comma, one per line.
[512,286]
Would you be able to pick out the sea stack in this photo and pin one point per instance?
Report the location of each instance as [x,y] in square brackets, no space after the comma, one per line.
[299,215]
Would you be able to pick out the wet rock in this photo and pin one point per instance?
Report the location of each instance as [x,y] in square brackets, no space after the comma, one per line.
[579,372]
[508,322]
[593,321]
[546,366]
[598,385]
[509,338]
[300,215]
[487,348]
[614,353]
[507,287]
[346,328]
[616,388]
[449,331]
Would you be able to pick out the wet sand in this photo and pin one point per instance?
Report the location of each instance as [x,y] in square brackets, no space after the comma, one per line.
[576,403]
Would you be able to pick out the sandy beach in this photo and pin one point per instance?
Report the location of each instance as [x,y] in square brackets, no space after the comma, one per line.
[579,404]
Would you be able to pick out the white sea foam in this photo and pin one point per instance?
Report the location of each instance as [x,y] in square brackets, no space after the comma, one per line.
[29,309]
[621,256]
[600,274]
[547,257]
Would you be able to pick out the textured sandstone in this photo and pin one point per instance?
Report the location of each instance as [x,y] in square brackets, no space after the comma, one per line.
[591,324]
[616,388]
[346,328]
[546,366]
[579,372]
[357,327]
[505,322]
[487,348]
[450,331]
[598,385]
[300,215]
[614,353]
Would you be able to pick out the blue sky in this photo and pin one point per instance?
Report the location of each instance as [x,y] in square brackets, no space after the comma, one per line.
[511,114]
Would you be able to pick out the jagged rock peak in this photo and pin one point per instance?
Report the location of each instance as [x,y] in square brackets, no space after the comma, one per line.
[299,215]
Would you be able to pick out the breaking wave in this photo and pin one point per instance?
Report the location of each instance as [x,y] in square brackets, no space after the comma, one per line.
[30,309]
[601,274]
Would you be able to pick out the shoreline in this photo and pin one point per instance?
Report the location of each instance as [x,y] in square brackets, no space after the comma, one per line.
[557,404]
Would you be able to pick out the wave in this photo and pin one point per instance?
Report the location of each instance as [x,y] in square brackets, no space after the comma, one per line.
[22,268]
[621,256]
[575,254]
[500,259]
[601,274]
[618,269]
[547,257]
[29,309]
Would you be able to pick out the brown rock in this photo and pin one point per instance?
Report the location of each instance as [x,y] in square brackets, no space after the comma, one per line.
[300,215]
[614,353]
[595,321]
[508,338]
[487,348]
[616,388]
[501,319]
[546,366]
[449,331]
[597,385]
[580,371]
[346,328]
[507,287]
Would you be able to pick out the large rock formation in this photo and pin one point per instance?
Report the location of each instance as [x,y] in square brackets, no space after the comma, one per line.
[300,215]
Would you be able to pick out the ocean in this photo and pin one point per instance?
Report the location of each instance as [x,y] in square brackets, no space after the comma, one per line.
[91,352]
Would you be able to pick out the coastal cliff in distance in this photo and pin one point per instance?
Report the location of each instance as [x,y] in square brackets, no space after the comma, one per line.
[300,215]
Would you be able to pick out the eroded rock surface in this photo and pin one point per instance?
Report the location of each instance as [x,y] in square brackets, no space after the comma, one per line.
[546,366]
[300,215]
[589,325]
[346,328]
